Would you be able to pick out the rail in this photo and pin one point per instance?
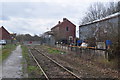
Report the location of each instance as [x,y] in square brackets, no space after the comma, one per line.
[60,65]
[73,74]
[39,65]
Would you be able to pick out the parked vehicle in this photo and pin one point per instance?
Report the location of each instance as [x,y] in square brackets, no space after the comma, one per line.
[3,42]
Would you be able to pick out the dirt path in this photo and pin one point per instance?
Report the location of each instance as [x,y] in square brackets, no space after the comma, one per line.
[12,66]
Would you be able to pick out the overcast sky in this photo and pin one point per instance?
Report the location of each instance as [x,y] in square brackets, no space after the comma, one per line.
[39,16]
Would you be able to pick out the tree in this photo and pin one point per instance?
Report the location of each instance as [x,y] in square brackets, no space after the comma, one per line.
[27,37]
[113,8]
[36,38]
[99,10]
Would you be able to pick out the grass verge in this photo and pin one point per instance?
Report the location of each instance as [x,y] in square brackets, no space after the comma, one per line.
[25,59]
[6,50]
[55,51]
[24,52]
[29,66]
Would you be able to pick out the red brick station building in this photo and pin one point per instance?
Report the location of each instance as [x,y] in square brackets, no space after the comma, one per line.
[64,31]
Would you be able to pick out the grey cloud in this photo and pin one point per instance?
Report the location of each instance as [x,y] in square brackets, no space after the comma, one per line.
[2,17]
[14,9]
[36,10]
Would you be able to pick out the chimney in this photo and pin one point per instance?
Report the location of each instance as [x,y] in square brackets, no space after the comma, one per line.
[64,19]
[58,22]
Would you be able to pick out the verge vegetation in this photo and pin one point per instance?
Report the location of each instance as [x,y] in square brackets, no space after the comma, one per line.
[6,50]
[29,66]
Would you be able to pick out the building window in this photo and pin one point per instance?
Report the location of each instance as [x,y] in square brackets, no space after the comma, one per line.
[67,29]
[70,37]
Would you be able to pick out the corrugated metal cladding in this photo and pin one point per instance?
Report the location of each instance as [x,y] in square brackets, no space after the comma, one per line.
[100,30]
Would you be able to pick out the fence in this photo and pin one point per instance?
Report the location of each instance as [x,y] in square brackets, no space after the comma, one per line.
[32,42]
[89,53]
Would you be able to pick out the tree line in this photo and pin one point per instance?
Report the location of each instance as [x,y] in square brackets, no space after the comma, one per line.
[27,37]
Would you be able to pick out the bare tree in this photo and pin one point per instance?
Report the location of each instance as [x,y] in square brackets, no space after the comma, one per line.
[100,10]
[95,11]
[113,8]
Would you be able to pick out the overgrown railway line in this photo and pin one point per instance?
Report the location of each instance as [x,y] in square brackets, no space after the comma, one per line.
[50,68]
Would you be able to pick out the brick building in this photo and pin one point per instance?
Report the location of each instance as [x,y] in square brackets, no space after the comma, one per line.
[5,35]
[64,31]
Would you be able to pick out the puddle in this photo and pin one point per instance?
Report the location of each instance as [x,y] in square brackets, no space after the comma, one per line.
[20,56]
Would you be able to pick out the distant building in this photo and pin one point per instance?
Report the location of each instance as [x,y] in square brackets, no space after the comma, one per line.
[64,31]
[48,38]
[5,35]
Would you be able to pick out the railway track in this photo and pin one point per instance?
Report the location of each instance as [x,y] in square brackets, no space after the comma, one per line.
[50,68]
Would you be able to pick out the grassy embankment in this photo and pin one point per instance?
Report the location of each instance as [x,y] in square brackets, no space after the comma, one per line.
[6,50]
[29,65]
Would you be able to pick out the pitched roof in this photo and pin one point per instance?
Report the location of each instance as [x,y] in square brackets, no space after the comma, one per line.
[60,23]
[4,29]
[105,18]
[57,25]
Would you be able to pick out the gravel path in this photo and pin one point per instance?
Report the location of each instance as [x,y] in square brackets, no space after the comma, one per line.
[0,46]
[0,68]
[0,62]
[12,66]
